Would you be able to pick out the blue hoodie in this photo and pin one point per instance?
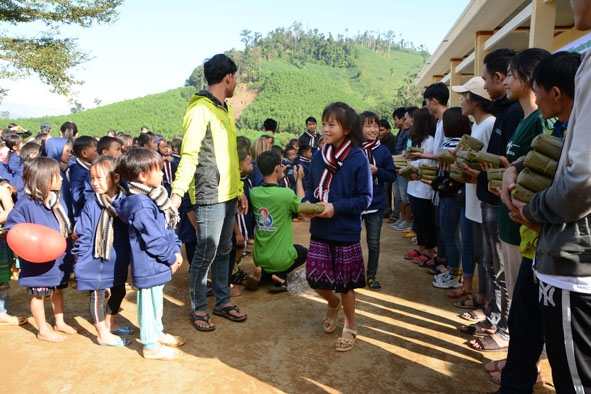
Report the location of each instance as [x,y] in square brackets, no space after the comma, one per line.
[54,148]
[51,273]
[350,193]
[386,174]
[153,246]
[98,274]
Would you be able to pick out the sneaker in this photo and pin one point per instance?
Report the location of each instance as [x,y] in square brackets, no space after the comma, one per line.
[397,223]
[441,277]
[402,226]
[373,284]
[452,282]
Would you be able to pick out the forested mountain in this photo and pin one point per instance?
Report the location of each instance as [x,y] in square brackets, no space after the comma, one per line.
[294,74]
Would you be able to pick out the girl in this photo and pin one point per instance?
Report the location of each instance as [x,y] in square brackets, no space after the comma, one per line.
[382,171]
[42,205]
[420,193]
[340,180]
[60,149]
[103,252]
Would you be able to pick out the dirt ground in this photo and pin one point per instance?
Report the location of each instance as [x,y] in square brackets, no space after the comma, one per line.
[408,343]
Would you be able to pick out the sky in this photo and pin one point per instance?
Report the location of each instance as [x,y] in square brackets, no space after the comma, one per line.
[155,45]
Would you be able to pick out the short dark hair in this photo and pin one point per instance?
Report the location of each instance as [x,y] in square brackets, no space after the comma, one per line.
[385,124]
[267,161]
[139,160]
[399,113]
[242,155]
[28,149]
[270,125]
[411,110]
[558,70]
[277,149]
[347,118]
[311,119]
[81,143]
[216,68]
[437,91]
[176,143]
[11,140]
[523,64]
[243,143]
[498,60]
[303,149]
[372,116]
[145,138]
[486,105]
[455,124]
[105,143]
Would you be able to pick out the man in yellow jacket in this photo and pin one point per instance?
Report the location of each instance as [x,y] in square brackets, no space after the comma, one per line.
[208,170]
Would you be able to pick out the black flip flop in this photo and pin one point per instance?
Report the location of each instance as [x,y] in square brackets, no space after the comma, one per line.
[225,312]
[194,317]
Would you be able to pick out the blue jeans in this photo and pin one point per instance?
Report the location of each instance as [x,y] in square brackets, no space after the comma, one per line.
[373,229]
[453,220]
[397,199]
[215,226]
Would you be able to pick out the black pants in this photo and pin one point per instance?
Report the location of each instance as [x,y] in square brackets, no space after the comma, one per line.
[566,318]
[527,339]
[97,303]
[299,260]
[424,219]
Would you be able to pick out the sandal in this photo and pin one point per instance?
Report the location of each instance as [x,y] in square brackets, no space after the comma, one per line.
[346,344]
[162,353]
[487,344]
[171,340]
[428,264]
[328,324]
[476,330]
[470,303]
[440,269]
[457,292]
[14,321]
[474,316]
[204,318]
[495,365]
[225,312]
[239,277]
[421,259]
[411,255]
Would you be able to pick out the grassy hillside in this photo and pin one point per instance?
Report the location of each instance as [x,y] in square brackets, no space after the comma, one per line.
[286,92]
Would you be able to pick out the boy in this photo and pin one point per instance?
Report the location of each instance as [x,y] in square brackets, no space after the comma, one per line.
[310,137]
[109,146]
[554,87]
[85,149]
[155,248]
[275,254]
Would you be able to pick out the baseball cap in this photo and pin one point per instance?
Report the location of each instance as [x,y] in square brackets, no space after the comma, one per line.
[474,85]
[45,127]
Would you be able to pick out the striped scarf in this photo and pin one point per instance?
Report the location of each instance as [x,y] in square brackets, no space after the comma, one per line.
[160,197]
[104,233]
[332,162]
[311,139]
[368,148]
[303,159]
[53,204]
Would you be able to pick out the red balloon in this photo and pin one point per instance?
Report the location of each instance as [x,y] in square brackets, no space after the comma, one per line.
[36,243]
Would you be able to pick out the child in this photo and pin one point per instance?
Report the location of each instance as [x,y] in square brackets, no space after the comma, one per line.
[14,142]
[126,142]
[243,226]
[85,149]
[6,260]
[60,149]
[45,207]
[382,170]
[340,180]
[167,159]
[275,254]
[155,248]
[147,140]
[102,248]
[109,146]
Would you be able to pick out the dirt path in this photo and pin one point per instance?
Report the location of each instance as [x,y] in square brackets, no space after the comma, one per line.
[408,343]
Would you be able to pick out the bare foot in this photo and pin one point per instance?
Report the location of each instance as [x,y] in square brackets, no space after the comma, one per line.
[50,336]
[66,329]
[107,338]
[234,292]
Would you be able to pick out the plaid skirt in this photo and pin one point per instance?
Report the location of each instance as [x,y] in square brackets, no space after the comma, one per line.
[335,266]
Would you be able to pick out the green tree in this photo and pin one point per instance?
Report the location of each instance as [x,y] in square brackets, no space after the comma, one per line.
[45,53]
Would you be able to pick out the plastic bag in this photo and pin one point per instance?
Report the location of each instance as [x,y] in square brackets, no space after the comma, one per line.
[297,284]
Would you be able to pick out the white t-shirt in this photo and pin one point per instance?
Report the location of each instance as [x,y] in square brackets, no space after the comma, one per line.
[417,188]
[439,137]
[481,132]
